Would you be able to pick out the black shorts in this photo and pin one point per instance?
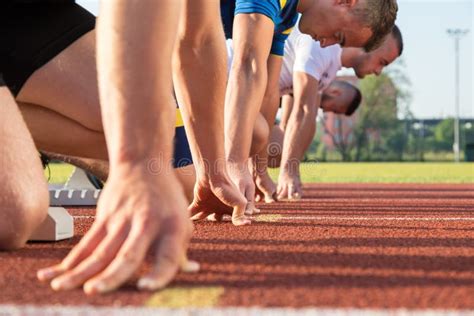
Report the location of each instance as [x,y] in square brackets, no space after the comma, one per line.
[182,153]
[227,17]
[34,32]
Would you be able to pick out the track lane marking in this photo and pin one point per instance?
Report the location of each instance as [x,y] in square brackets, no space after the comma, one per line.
[270,218]
[234,311]
[263,217]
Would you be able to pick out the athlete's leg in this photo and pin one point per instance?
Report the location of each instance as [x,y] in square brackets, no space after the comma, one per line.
[187,177]
[97,167]
[24,193]
[100,168]
[55,69]
[56,133]
[63,96]
[67,84]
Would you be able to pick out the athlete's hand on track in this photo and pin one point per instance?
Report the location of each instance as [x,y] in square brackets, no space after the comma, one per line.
[265,187]
[240,175]
[218,197]
[289,187]
[137,211]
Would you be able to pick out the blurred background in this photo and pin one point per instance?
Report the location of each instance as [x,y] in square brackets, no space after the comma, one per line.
[414,117]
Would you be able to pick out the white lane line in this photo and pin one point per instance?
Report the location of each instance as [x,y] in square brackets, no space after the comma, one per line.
[361,218]
[231,311]
[279,217]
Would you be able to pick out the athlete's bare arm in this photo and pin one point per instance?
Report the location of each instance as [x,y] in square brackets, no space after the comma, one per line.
[252,39]
[299,133]
[200,76]
[143,203]
[286,108]
[268,111]
[278,132]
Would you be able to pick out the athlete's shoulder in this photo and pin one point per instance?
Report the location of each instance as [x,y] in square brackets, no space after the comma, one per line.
[288,14]
[270,8]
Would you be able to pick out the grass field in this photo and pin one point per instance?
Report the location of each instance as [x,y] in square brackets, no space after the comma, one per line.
[354,172]
[386,172]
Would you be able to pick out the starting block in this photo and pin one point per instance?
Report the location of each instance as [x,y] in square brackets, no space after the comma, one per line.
[59,225]
[72,197]
[78,191]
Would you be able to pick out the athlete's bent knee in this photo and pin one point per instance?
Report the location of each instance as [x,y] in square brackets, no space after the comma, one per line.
[20,216]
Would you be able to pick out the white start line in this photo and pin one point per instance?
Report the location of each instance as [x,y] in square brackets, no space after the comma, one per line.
[230,311]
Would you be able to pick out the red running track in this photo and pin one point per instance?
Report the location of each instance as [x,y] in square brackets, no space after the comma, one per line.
[344,246]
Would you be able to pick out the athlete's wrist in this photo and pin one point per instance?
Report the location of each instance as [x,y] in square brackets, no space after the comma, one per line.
[235,167]
[149,166]
[291,167]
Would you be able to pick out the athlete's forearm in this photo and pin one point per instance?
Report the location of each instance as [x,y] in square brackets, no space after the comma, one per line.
[298,136]
[299,132]
[302,121]
[252,39]
[286,108]
[135,81]
[243,100]
[269,110]
[199,69]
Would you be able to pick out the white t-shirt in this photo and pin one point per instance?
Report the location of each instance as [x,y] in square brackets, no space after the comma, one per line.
[303,54]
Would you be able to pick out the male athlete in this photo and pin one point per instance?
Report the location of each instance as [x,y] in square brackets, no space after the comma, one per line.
[47,60]
[259,30]
[307,71]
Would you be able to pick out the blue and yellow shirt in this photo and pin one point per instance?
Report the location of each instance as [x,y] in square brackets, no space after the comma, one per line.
[282,12]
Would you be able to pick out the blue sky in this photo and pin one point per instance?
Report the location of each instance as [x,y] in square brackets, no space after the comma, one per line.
[429,53]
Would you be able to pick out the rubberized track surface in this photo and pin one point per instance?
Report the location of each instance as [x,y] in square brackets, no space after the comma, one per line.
[344,246]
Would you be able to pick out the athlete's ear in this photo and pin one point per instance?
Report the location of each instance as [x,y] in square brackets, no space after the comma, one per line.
[333,91]
[337,92]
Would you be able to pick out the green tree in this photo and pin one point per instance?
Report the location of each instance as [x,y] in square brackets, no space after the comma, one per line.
[377,113]
[379,134]
[444,135]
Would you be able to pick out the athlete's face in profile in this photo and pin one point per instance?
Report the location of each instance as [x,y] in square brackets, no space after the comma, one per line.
[374,62]
[332,22]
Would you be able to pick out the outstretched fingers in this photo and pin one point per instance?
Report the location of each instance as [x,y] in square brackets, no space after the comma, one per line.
[81,251]
[170,257]
[95,262]
[125,263]
[229,195]
[282,192]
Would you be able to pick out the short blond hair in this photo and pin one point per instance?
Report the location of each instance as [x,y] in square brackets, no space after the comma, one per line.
[379,16]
